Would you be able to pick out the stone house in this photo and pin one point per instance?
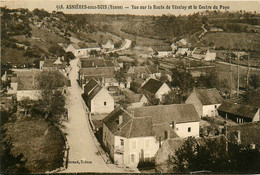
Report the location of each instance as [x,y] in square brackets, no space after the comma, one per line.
[205,101]
[136,134]
[97,98]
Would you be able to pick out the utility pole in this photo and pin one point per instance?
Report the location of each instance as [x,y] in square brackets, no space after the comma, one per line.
[248,70]
[237,74]
[230,74]
[226,135]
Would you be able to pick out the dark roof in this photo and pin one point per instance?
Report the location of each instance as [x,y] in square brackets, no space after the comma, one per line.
[153,69]
[76,46]
[89,86]
[132,97]
[149,121]
[94,92]
[209,96]
[152,85]
[97,73]
[238,109]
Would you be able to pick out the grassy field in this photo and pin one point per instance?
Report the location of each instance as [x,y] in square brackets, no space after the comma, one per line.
[234,40]
[39,142]
[224,70]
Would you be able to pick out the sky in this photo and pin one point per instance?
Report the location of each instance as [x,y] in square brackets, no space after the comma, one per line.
[157,7]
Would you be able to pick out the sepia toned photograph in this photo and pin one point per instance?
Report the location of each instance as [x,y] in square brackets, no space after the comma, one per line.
[148,86]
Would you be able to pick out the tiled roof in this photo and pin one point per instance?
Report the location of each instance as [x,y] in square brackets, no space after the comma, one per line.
[97,73]
[50,63]
[152,85]
[27,80]
[209,96]
[153,69]
[139,69]
[149,121]
[132,97]
[238,109]
[94,92]
[98,62]
[76,46]
[89,86]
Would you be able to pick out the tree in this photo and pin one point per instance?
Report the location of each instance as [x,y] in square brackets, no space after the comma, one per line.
[57,50]
[183,80]
[53,102]
[254,81]
[120,77]
[69,56]
[173,97]
[11,164]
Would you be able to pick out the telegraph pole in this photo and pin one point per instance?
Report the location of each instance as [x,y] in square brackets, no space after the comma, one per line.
[237,74]
[248,70]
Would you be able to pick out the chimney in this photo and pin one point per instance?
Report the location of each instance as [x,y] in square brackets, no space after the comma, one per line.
[120,119]
[173,125]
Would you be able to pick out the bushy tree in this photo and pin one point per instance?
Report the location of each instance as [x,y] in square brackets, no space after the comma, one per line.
[182,79]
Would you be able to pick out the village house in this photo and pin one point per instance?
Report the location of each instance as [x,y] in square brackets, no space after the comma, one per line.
[136,134]
[160,51]
[205,101]
[144,72]
[97,98]
[98,73]
[134,100]
[108,45]
[210,56]
[98,62]
[156,88]
[239,113]
[136,84]
[215,29]
[182,51]
[53,64]
[27,85]
[174,47]
[82,49]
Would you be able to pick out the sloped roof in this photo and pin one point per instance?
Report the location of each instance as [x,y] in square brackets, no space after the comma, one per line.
[180,113]
[153,69]
[152,85]
[238,109]
[97,73]
[94,92]
[132,97]
[76,46]
[27,83]
[90,85]
[51,63]
[139,69]
[209,96]
[98,62]
[92,45]
[149,121]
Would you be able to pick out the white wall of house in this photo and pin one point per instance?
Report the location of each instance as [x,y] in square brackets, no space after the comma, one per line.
[210,110]
[164,53]
[188,129]
[31,94]
[164,89]
[257,116]
[132,149]
[103,102]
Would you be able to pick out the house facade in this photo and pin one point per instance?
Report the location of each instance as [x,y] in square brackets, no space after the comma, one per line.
[97,98]
[205,101]
[136,134]
[109,45]
[156,87]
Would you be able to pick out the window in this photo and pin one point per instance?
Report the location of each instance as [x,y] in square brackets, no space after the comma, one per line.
[189,129]
[133,144]
[105,103]
[132,158]
[215,106]
[122,142]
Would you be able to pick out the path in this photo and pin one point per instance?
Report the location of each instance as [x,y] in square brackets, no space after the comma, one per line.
[80,138]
